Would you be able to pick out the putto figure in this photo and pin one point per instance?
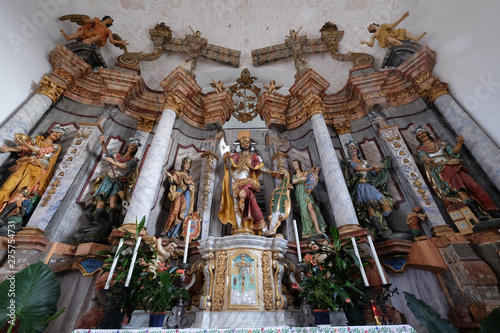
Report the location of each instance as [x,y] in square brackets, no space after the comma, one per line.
[238,203]
[368,187]
[93,30]
[388,36]
[181,194]
[448,177]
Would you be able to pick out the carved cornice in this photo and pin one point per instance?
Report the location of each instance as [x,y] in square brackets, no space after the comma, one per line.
[217,108]
[272,108]
[434,90]
[51,89]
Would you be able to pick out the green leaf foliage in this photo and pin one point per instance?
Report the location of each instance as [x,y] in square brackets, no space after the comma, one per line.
[335,281]
[428,316]
[32,294]
[491,324]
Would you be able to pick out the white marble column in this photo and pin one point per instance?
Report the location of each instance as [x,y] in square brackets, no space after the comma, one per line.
[149,179]
[26,118]
[80,149]
[486,153]
[340,199]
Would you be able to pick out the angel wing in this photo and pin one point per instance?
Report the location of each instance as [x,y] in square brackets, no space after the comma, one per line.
[120,46]
[75,18]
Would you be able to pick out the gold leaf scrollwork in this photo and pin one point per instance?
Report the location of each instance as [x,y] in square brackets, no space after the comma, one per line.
[436,89]
[266,281]
[174,103]
[51,89]
[220,284]
[313,104]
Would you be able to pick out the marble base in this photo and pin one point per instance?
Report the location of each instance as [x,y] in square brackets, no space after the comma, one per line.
[240,319]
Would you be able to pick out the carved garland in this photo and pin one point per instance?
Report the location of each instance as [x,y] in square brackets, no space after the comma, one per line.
[73,151]
[210,155]
[218,302]
[395,141]
[266,281]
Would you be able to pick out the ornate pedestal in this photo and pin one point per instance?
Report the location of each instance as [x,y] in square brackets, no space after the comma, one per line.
[242,282]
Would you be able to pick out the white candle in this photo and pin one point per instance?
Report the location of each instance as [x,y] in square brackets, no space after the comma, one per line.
[113,266]
[365,280]
[186,246]
[377,262]
[131,270]
[297,240]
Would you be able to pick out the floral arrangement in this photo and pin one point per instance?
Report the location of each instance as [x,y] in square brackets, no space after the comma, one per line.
[333,280]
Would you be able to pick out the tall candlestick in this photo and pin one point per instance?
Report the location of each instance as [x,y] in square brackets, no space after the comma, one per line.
[377,262]
[297,240]
[186,246]
[113,266]
[365,280]
[131,270]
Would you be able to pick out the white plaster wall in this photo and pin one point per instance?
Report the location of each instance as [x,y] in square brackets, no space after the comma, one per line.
[463,35]
[30,30]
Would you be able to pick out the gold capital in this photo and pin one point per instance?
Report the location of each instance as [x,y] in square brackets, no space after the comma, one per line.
[173,102]
[51,89]
[313,104]
[436,89]
[342,127]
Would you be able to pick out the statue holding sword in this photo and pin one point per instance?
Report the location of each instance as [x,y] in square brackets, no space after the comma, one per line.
[238,203]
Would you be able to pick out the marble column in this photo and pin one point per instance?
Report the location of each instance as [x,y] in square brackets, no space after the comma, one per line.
[486,153]
[24,120]
[338,193]
[145,188]
[82,146]
[401,155]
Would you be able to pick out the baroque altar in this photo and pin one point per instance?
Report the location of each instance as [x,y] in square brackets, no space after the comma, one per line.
[243,275]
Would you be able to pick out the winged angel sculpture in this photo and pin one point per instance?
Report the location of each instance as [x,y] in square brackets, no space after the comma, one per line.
[93,31]
[92,35]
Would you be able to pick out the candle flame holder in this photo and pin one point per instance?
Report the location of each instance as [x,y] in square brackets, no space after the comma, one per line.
[178,319]
[379,297]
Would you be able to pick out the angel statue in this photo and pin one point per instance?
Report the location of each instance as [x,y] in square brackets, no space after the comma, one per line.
[367,184]
[93,31]
[386,35]
[310,214]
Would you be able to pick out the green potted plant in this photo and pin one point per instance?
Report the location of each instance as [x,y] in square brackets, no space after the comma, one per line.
[334,281]
[153,286]
[158,290]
